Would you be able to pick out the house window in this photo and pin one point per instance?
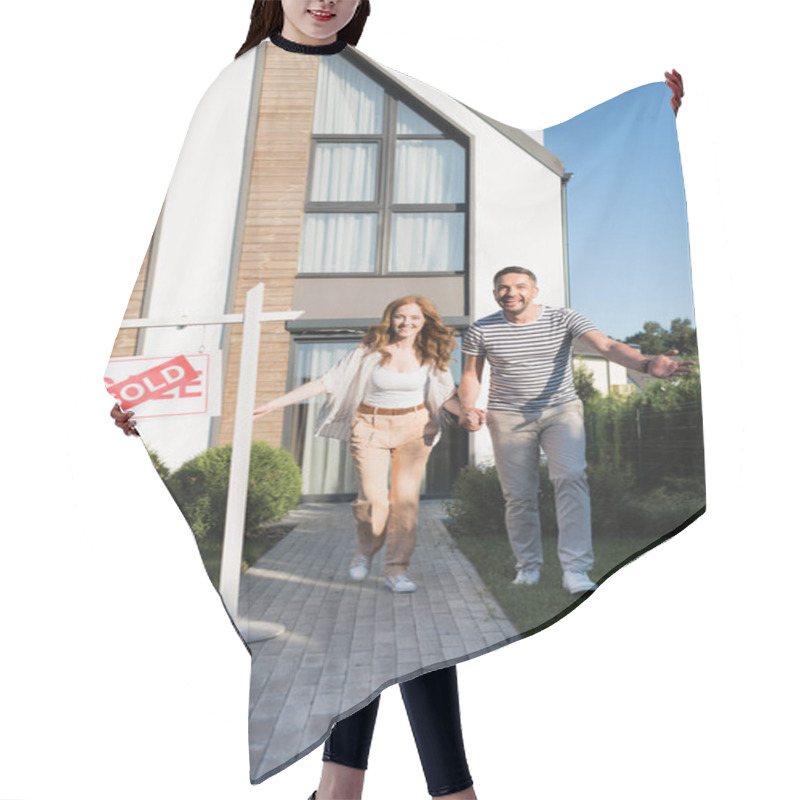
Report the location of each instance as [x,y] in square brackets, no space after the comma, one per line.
[387,187]
[326,464]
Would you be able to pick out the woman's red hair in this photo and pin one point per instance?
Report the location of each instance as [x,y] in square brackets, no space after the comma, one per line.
[434,343]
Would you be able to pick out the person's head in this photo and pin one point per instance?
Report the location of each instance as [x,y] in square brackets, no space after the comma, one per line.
[306,21]
[418,319]
[515,289]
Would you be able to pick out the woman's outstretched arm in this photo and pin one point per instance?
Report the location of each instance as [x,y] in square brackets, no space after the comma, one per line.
[304,392]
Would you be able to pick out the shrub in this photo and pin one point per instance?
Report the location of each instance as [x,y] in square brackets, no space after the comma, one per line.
[618,506]
[161,468]
[660,511]
[584,381]
[656,434]
[611,490]
[200,488]
[477,507]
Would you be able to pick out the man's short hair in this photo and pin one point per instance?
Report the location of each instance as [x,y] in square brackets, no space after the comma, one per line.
[519,270]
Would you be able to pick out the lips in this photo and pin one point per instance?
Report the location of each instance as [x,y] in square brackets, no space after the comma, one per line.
[321,16]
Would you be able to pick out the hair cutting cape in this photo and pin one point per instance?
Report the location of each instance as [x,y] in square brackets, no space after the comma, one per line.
[311,191]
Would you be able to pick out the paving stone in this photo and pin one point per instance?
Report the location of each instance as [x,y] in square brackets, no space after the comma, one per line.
[345,640]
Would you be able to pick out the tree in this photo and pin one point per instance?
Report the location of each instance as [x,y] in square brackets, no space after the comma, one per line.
[651,339]
[654,339]
[584,381]
[683,337]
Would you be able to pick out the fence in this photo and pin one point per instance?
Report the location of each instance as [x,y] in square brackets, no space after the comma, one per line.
[650,442]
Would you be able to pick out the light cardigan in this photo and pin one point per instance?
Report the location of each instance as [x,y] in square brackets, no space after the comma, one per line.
[346,384]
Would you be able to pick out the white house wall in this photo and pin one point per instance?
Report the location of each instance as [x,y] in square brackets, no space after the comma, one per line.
[516,216]
[517,220]
[605,373]
[517,206]
[197,228]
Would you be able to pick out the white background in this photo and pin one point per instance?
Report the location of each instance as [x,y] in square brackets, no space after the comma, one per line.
[121,675]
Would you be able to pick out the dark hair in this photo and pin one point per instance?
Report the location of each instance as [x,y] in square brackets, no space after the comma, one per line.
[518,270]
[266,18]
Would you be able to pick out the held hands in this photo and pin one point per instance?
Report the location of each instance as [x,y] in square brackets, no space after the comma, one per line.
[124,420]
[675,82]
[473,419]
[665,368]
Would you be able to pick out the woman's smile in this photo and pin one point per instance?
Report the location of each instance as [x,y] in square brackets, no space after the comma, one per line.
[322,16]
[316,22]
[407,320]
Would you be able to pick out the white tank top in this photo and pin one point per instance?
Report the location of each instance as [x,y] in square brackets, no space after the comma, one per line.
[389,389]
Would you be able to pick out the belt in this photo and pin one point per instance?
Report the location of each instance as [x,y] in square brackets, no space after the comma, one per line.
[365,409]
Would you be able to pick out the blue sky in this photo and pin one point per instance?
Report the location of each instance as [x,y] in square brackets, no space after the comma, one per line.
[628,239]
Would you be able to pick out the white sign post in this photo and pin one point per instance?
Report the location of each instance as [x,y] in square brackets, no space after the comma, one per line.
[233,540]
[233,536]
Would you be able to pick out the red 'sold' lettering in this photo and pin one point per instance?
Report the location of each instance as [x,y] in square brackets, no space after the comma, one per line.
[154,382]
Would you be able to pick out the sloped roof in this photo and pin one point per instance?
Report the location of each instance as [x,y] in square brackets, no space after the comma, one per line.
[525,141]
[518,136]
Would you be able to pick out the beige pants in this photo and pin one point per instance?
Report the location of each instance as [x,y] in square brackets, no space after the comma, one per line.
[387,513]
[516,439]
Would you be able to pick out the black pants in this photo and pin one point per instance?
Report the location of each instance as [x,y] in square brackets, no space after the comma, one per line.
[432,706]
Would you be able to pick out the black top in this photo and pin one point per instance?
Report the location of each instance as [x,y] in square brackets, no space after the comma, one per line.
[309,49]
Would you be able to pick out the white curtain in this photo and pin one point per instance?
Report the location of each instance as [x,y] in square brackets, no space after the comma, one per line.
[347,100]
[344,172]
[409,121]
[427,242]
[327,464]
[429,171]
[339,243]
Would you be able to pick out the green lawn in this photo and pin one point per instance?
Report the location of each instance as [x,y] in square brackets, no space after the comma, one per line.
[253,548]
[532,607]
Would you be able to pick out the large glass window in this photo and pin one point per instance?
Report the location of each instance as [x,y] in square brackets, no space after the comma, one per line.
[387,187]
[339,243]
[326,464]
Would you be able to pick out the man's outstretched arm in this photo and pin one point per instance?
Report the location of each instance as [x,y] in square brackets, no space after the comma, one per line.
[661,366]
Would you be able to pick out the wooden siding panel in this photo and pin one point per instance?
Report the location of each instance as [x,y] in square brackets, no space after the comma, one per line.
[125,343]
[273,220]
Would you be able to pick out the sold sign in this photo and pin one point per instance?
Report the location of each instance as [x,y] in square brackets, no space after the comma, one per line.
[154,382]
[167,385]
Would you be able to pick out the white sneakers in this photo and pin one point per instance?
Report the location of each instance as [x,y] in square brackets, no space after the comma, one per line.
[578,582]
[359,571]
[574,582]
[400,584]
[527,577]
[359,567]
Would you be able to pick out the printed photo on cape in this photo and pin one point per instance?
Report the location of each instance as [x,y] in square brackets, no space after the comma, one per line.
[121,672]
[311,191]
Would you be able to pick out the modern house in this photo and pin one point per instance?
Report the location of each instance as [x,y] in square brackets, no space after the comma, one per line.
[340,185]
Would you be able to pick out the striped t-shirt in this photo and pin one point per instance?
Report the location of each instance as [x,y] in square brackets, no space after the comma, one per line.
[531,363]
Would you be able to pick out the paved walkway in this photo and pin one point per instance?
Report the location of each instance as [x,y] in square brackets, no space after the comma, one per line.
[345,641]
